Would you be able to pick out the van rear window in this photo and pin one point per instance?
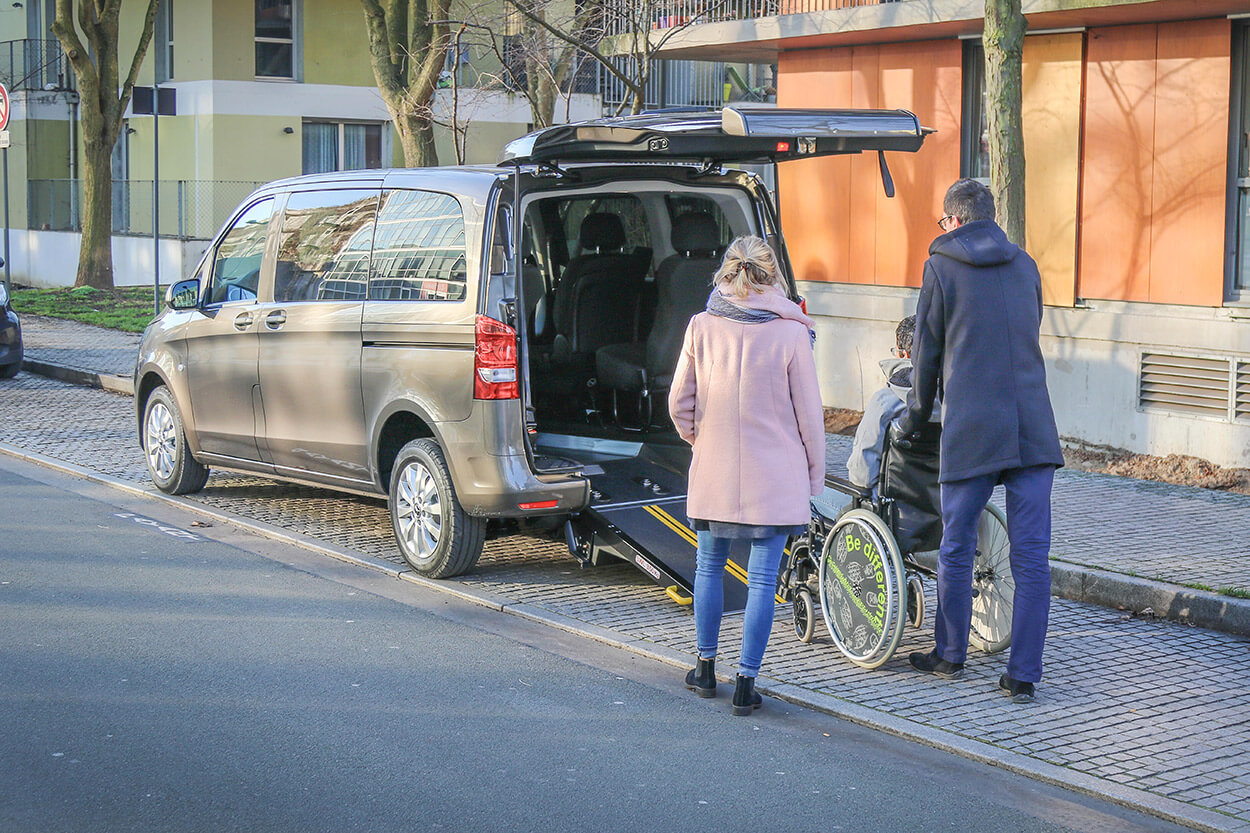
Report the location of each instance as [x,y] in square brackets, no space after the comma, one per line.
[418,248]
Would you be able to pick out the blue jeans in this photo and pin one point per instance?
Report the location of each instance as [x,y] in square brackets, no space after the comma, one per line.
[709,596]
[1028,528]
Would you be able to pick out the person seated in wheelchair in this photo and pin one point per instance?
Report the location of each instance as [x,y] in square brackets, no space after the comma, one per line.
[886,405]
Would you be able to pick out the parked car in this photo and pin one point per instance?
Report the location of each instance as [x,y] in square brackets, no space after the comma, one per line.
[10,334]
[482,345]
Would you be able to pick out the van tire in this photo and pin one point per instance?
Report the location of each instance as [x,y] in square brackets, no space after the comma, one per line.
[435,535]
[169,460]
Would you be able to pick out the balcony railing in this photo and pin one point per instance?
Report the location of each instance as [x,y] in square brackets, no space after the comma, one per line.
[190,208]
[32,64]
[690,84]
[624,16]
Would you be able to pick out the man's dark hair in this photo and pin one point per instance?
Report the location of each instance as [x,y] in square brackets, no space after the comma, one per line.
[969,200]
[905,332]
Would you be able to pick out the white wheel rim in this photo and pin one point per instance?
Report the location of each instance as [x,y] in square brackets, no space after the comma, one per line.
[859,647]
[418,510]
[992,580]
[161,441]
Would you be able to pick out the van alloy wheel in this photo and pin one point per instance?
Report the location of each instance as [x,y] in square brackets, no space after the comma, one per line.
[160,440]
[165,449]
[435,535]
[420,512]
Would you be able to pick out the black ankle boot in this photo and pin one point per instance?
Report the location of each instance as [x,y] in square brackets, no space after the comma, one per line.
[702,678]
[745,698]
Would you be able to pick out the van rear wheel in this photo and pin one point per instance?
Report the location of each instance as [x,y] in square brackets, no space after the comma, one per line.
[436,536]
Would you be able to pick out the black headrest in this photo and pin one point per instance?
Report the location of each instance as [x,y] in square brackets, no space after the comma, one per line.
[602,231]
[696,232]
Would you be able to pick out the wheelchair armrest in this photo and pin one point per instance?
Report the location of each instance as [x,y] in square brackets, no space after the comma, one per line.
[847,487]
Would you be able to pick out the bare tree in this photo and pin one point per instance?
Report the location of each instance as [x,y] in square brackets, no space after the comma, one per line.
[408,42]
[103,97]
[623,36]
[1004,49]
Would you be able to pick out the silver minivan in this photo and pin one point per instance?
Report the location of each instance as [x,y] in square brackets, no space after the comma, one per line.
[482,345]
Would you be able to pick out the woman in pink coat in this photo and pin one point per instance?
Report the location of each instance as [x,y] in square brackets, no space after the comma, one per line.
[745,396]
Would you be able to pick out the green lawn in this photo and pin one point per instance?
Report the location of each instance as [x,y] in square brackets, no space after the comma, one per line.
[127,308]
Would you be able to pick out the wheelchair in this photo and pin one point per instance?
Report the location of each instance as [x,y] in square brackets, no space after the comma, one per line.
[861,563]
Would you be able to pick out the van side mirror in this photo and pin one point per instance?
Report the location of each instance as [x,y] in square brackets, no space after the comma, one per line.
[183,294]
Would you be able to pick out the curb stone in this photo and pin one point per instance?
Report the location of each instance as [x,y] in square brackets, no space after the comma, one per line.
[1129,797]
[75,376]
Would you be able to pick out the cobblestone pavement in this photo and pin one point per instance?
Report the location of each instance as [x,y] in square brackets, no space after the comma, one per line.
[79,346]
[1198,538]
[1149,705]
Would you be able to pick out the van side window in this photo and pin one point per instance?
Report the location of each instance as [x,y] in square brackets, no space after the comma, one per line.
[323,248]
[236,264]
[419,248]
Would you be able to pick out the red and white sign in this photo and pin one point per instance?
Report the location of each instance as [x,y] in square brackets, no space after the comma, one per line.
[4,107]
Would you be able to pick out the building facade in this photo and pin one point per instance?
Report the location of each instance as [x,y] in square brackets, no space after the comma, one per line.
[264,89]
[1137,174]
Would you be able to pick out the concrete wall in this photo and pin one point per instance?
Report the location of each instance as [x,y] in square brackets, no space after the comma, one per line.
[1092,353]
[50,258]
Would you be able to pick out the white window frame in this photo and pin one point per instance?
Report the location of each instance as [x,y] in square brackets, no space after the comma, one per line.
[296,41]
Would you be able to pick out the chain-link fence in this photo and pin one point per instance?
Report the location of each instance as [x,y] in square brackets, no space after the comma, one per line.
[189,208]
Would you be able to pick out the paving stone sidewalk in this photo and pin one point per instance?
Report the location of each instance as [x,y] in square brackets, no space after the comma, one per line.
[1149,713]
[1194,544]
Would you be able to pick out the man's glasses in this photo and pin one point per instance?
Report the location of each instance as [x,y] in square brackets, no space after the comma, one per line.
[946,219]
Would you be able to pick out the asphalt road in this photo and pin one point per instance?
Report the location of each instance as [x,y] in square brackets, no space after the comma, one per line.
[161,676]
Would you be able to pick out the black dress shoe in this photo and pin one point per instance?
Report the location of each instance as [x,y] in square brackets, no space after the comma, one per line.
[931,663]
[1020,691]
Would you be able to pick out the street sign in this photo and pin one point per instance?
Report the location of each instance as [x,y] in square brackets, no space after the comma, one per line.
[4,108]
[4,138]
[141,103]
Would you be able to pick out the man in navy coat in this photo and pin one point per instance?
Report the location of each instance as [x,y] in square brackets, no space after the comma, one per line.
[976,344]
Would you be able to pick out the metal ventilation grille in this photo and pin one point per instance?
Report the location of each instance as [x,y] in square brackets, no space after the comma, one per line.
[1188,384]
[1241,394]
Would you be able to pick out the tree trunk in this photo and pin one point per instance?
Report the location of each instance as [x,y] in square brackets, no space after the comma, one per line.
[1004,48]
[95,255]
[416,137]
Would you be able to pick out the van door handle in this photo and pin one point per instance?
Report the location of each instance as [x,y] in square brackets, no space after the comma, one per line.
[242,321]
[275,319]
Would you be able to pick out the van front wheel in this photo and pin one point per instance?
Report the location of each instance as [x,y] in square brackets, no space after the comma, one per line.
[435,535]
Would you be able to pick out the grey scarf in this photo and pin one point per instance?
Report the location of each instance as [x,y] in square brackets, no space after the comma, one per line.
[717,305]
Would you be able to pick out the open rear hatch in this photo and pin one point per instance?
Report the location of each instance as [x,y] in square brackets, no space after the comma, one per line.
[733,135]
[638,488]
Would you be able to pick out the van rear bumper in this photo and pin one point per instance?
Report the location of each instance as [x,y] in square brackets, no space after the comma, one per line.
[496,485]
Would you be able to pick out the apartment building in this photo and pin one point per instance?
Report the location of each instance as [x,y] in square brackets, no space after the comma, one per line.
[264,89]
[1136,116]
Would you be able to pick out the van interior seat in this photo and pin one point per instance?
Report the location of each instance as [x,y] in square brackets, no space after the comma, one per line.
[683,282]
[595,302]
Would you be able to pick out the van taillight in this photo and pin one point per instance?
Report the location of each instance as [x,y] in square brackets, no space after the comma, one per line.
[494,360]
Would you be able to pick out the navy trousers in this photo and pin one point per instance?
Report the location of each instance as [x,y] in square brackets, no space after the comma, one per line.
[1028,527]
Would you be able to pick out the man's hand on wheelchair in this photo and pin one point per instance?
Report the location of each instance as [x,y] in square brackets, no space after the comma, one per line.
[900,437]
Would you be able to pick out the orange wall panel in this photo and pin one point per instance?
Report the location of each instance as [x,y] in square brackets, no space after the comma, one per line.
[1051,112]
[1190,166]
[865,181]
[1118,165]
[839,225]
[816,190]
[926,78]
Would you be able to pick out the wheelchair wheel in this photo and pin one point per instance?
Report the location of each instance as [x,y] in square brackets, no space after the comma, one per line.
[804,615]
[863,593]
[993,588]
